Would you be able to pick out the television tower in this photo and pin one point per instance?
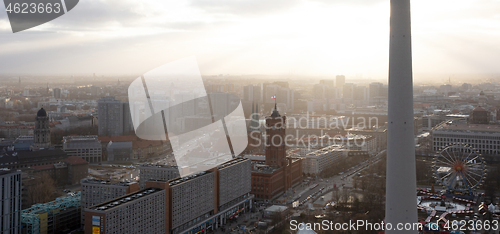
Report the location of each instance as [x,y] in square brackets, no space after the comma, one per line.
[401,197]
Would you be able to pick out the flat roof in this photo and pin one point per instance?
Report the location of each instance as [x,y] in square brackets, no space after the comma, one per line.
[464,126]
[106,182]
[184,179]
[158,166]
[125,199]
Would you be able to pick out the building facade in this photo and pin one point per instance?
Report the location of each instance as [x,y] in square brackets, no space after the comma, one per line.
[148,172]
[86,147]
[279,172]
[139,212]
[483,137]
[319,160]
[114,117]
[192,204]
[10,201]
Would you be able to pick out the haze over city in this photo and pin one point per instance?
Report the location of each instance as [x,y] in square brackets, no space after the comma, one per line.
[302,38]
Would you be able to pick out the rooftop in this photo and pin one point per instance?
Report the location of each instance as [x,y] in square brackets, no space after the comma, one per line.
[181,180]
[5,171]
[231,162]
[158,166]
[106,182]
[125,199]
[460,125]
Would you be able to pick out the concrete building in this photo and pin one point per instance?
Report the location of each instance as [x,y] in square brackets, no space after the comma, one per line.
[68,172]
[119,151]
[114,117]
[319,160]
[191,204]
[59,216]
[56,92]
[483,137]
[10,201]
[139,212]
[25,158]
[95,191]
[149,172]
[339,81]
[86,147]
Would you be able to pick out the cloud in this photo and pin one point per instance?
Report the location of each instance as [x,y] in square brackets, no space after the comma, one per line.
[244,7]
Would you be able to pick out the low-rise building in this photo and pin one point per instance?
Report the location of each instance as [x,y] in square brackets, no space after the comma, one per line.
[86,147]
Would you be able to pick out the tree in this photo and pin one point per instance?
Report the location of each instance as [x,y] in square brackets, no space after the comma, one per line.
[42,189]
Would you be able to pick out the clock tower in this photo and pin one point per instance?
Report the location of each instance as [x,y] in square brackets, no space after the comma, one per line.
[275,139]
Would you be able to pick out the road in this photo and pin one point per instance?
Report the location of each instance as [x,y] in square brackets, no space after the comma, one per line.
[342,179]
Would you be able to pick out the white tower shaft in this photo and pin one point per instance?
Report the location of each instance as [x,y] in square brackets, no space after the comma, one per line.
[401,175]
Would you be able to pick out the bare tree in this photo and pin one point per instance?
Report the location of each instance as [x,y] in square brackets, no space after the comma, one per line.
[42,189]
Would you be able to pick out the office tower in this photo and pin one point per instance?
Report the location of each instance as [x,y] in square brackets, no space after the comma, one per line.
[10,201]
[401,173]
[156,172]
[86,147]
[139,212]
[375,89]
[340,81]
[360,93]
[56,92]
[328,83]
[348,91]
[114,118]
[252,93]
[42,130]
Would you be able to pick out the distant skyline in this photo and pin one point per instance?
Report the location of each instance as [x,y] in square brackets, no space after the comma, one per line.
[294,37]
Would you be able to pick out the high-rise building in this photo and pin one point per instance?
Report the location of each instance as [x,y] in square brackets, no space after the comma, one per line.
[42,130]
[375,89]
[139,212]
[86,147]
[340,81]
[348,91]
[156,172]
[328,83]
[56,92]
[252,93]
[10,200]
[114,118]
[191,204]
[96,191]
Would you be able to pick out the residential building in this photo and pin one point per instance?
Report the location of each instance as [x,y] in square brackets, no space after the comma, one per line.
[10,200]
[114,117]
[150,172]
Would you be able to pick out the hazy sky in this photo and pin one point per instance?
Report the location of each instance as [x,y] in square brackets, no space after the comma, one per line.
[321,37]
